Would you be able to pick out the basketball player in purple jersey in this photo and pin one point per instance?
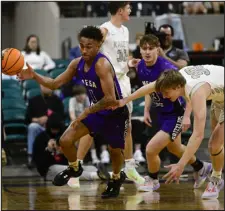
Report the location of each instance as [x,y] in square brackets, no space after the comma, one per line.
[103,88]
[170,116]
[115,46]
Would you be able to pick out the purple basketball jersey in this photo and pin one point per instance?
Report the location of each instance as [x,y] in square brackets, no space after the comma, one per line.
[92,82]
[152,73]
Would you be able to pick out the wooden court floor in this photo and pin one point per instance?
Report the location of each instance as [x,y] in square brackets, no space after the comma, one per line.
[34,194]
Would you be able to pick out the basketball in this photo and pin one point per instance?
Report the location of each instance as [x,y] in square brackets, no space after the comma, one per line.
[12,61]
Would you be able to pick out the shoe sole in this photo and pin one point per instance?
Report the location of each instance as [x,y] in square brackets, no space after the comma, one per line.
[210,197]
[209,169]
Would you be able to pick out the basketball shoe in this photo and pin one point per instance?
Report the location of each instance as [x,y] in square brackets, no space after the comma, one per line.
[131,172]
[213,188]
[63,177]
[149,185]
[113,187]
[201,175]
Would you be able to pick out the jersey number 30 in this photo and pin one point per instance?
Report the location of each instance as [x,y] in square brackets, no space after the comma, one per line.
[122,55]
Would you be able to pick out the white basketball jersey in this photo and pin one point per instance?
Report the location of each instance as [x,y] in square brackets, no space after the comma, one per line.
[212,74]
[116,47]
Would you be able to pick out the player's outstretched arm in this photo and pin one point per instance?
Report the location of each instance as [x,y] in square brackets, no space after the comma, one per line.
[144,90]
[51,83]
[198,103]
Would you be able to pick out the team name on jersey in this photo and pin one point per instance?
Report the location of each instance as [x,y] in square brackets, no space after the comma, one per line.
[178,127]
[120,44]
[89,83]
[145,82]
[197,71]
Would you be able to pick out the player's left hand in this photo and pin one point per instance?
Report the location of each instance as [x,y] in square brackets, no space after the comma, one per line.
[174,174]
[83,115]
[186,123]
[133,62]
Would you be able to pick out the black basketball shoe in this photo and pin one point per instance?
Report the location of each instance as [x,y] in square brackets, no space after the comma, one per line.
[113,187]
[63,177]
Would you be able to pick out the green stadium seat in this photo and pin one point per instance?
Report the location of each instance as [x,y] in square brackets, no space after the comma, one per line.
[16,138]
[8,103]
[56,72]
[32,93]
[59,62]
[30,84]
[41,72]
[14,115]
[10,84]
[15,128]
[66,110]
[12,93]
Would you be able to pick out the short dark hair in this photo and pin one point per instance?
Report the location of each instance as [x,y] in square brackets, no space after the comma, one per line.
[150,39]
[27,48]
[91,32]
[114,6]
[167,26]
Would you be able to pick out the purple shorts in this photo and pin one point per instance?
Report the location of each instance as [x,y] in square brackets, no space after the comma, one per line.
[171,125]
[112,127]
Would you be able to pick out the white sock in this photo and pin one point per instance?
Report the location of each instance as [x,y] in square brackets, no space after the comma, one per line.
[217,174]
[129,163]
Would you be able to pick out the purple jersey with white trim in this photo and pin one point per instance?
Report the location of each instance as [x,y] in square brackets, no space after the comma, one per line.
[152,73]
[93,85]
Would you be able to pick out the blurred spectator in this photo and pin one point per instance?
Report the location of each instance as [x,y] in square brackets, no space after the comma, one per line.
[39,109]
[37,58]
[78,102]
[49,159]
[45,150]
[74,53]
[136,53]
[194,8]
[176,56]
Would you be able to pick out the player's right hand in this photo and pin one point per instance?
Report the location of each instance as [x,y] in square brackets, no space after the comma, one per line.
[27,73]
[147,118]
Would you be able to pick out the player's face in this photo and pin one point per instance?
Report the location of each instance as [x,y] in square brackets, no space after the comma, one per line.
[149,53]
[172,94]
[89,48]
[33,43]
[125,12]
[169,38]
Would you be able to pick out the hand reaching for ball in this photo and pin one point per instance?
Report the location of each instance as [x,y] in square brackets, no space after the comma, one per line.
[26,74]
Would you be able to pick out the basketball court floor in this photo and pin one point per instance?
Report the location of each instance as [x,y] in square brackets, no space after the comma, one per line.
[32,193]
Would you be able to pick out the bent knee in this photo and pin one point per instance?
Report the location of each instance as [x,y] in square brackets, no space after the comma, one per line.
[214,147]
[150,151]
[64,141]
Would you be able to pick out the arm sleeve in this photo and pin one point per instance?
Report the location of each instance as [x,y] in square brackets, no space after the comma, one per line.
[183,55]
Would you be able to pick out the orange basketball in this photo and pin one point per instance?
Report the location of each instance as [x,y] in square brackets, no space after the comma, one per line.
[12,61]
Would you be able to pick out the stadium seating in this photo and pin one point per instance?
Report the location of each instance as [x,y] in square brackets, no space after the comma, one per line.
[32,93]
[30,84]
[66,110]
[56,72]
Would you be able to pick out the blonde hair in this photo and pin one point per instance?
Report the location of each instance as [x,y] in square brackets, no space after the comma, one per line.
[169,79]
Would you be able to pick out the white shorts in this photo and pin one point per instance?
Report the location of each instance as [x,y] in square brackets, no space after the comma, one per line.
[125,86]
[217,111]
